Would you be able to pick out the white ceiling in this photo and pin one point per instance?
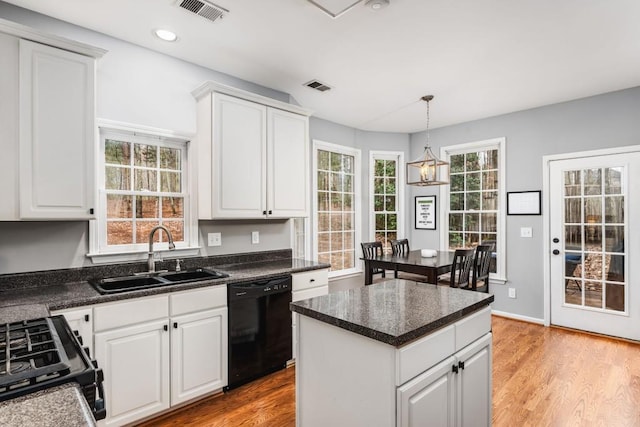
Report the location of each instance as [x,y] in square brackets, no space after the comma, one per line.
[479,58]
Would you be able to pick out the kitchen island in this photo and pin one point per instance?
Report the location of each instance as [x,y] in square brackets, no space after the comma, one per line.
[397,353]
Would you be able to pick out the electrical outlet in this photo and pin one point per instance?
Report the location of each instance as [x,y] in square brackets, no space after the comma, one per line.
[214,239]
[512,292]
[255,237]
[526,232]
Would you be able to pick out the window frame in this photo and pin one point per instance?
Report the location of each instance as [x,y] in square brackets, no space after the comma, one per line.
[398,156]
[356,153]
[500,276]
[98,250]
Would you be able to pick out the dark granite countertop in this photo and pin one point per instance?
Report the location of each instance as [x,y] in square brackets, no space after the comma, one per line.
[59,294]
[394,312]
[58,406]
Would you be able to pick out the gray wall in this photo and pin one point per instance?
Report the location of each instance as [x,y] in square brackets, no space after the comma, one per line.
[609,120]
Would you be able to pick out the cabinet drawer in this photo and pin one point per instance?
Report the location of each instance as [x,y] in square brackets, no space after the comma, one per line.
[309,293]
[417,356]
[310,279]
[127,313]
[472,327]
[199,299]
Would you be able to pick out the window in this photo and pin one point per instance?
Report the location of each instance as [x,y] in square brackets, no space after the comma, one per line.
[386,193]
[336,222]
[142,183]
[475,198]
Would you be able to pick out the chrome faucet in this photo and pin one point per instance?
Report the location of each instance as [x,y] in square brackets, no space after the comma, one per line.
[151,263]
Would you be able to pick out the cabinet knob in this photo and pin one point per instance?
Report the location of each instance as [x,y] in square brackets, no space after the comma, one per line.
[91,211]
[454,369]
[264,212]
[270,212]
[461,365]
[86,317]
[165,327]
[175,325]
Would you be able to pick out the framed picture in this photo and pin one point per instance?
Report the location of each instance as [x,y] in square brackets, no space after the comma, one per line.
[425,212]
[524,203]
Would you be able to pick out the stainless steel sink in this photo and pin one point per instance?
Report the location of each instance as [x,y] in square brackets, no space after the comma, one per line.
[132,283]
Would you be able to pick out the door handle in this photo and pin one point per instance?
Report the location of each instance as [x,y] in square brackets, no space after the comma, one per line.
[556,252]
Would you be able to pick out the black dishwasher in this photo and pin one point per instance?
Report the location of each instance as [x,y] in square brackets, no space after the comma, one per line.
[259,328]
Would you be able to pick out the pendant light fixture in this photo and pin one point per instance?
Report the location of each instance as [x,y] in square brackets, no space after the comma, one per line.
[427,169]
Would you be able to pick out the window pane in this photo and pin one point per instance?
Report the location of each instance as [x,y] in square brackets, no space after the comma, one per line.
[390,203]
[490,159]
[379,168]
[457,202]
[613,181]
[323,181]
[146,180]
[336,182]
[323,160]
[457,163]
[336,162]
[323,221]
[347,221]
[336,201]
[614,209]
[572,183]
[573,237]
[323,201]
[380,222]
[173,207]
[145,155]
[473,162]
[473,182]
[455,240]
[615,297]
[170,158]
[573,211]
[471,240]
[455,221]
[176,228]
[490,200]
[378,203]
[348,202]
[336,222]
[348,259]
[390,186]
[170,182]
[378,185]
[349,240]
[472,222]
[143,228]
[336,241]
[473,201]
[347,164]
[119,232]
[323,242]
[392,222]
[390,168]
[592,182]
[489,222]
[457,182]
[147,207]
[490,180]
[117,152]
[614,238]
[117,178]
[348,184]
[119,206]
[336,261]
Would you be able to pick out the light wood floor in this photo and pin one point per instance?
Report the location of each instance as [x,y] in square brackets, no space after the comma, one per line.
[541,377]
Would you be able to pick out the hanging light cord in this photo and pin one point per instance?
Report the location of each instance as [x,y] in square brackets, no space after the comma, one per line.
[426,99]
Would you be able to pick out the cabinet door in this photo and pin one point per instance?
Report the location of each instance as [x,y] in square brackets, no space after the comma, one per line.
[57,115]
[80,320]
[198,354]
[474,384]
[239,158]
[135,361]
[428,399]
[9,83]
[297,296]
[287,164]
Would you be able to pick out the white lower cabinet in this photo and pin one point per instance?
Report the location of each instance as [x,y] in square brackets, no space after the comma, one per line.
[305,285]
[455,392]
[161,351]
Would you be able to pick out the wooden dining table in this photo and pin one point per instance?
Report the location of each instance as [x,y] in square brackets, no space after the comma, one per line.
[431,268]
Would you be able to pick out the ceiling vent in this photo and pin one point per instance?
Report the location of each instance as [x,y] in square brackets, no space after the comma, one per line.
[202,8]
[315,84]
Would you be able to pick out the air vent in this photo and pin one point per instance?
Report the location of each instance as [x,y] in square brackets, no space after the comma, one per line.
[205,9]
[315,84]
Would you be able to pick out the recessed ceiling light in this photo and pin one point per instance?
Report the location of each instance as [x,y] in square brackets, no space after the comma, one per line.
[166,35]
[377,4]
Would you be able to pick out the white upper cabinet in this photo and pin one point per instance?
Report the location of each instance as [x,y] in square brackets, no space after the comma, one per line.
[252,155]
[48,124]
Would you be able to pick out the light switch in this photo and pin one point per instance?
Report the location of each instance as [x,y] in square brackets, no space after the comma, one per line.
[255,237]
[526,232]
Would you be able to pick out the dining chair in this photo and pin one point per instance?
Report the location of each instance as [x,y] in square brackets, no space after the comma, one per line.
[461,268]
[371,250]
[481,268]
[400,247]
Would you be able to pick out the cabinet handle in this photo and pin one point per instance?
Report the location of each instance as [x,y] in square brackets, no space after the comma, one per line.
[454,368]
[270,212]
[461,365]
[264,212]
[86,317]
[312,280]
[165,327]
[175,325]
[91,211]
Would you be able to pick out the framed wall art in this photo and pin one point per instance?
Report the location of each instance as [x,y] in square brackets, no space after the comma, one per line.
[425,210]
[524,203]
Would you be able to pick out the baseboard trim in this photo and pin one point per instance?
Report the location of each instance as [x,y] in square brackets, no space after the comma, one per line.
[518,317]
